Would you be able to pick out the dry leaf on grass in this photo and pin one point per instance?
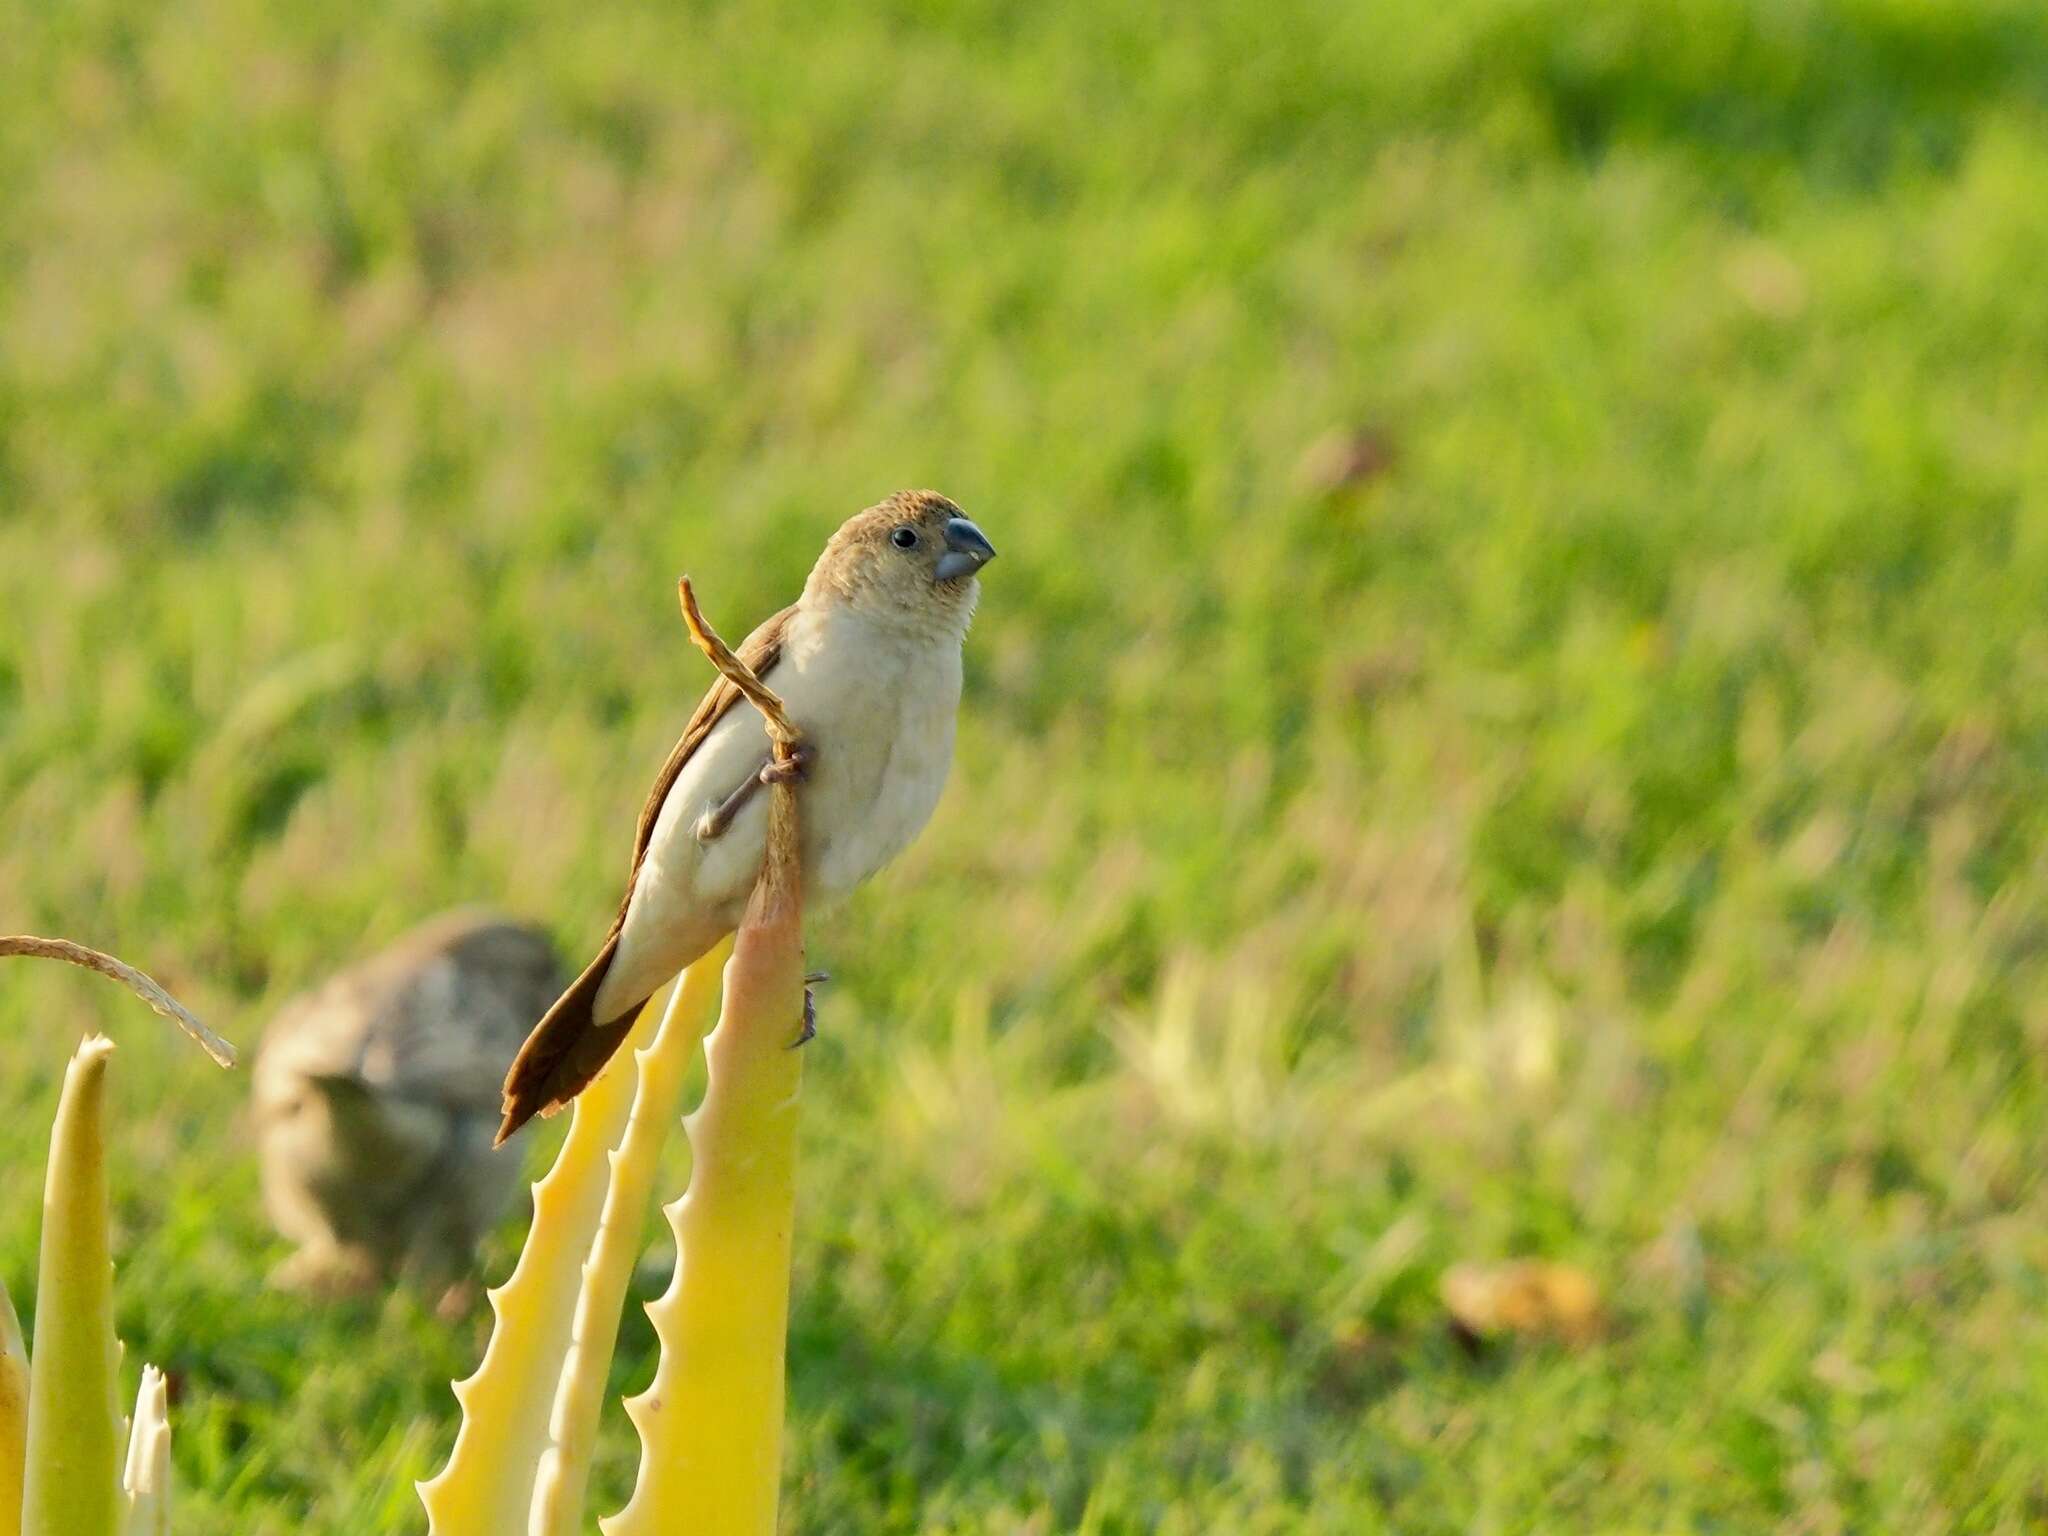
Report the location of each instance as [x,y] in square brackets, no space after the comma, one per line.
[1529,1298]
[1342,458]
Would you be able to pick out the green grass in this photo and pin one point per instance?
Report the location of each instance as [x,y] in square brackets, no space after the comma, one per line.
[1612,833]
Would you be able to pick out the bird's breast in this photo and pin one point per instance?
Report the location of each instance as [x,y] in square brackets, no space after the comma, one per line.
[880,712]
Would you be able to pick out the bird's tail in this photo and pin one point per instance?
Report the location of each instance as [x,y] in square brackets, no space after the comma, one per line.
[566,1050]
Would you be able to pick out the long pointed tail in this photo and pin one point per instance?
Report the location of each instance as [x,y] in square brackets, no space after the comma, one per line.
[566,1050]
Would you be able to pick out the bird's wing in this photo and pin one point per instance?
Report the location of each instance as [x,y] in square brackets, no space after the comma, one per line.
[761,650]
[570,1046]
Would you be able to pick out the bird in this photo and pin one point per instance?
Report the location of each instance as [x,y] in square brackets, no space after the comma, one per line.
[867,662]
[374,1100]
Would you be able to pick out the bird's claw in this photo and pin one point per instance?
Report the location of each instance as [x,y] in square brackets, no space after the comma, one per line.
[790,771]
[810,1030]
[717,821]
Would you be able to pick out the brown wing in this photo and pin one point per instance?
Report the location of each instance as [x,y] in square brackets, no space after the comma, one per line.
[761,650]
[570,1045]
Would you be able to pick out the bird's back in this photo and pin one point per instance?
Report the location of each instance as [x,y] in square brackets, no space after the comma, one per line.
[436,1015]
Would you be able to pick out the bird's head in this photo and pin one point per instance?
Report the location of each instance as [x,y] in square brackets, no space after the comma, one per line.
[912,559]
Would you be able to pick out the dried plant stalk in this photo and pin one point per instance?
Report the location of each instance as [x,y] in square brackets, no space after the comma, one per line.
[142,985]
[781,729]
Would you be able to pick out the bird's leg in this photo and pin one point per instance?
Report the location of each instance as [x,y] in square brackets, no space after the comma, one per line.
[712,825]
[328,1269]
[810,1031]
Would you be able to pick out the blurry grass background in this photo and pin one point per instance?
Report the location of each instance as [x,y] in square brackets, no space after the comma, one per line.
[1510,719]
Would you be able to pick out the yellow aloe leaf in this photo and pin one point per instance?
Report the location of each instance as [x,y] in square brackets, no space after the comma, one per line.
[711,1422]
[487,1487]
[147,1481]
[662,1069]
[71,1482]
[13,1412]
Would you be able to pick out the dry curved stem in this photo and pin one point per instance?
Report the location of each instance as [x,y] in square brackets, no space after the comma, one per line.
[142,986]
[781,729]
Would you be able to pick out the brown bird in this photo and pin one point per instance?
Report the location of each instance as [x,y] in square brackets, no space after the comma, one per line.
[375,1096]
[867,662]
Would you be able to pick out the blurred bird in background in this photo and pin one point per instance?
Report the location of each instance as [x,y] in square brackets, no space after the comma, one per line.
[375,1098]
[867,661]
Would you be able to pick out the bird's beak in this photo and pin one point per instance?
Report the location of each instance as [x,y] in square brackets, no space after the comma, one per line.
[967,550]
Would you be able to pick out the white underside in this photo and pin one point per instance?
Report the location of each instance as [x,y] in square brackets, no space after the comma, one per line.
[879,707]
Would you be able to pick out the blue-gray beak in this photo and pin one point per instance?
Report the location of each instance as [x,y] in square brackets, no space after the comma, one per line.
[967,550]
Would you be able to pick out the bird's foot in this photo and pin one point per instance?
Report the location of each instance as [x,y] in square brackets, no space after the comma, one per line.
[798,765]
[714,823]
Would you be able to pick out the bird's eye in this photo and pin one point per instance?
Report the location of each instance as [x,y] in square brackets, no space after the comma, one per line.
[904,538]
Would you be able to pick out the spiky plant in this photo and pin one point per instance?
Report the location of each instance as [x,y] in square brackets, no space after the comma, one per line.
[62,1472]
[711,1422]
